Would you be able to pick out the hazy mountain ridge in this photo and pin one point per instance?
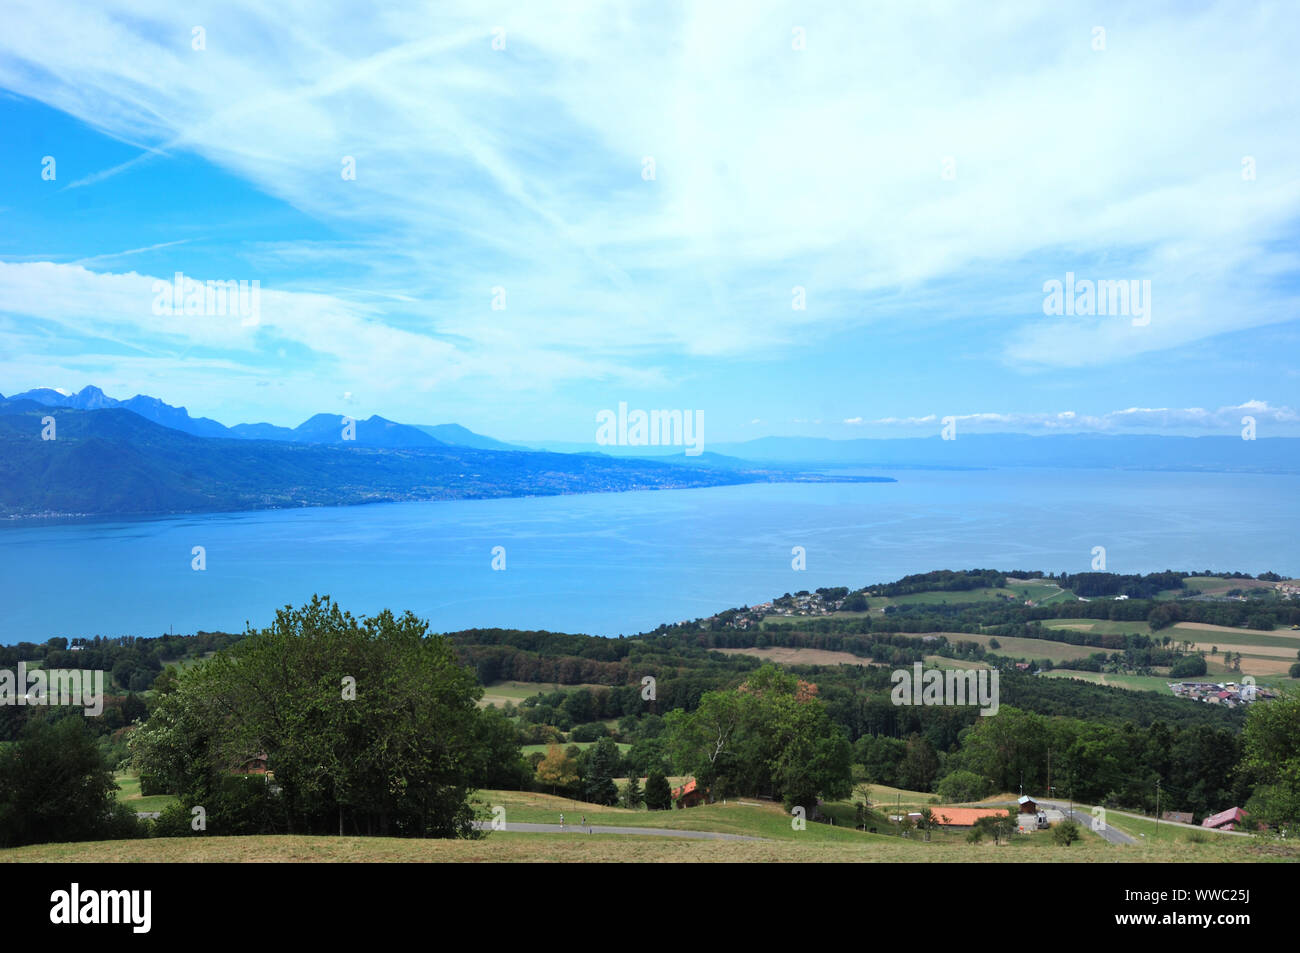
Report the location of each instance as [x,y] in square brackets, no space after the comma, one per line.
[983,451]
[112,461]
[374,431]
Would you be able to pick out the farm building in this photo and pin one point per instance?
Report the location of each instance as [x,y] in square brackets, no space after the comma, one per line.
[1225,820]
[689,794]
[1028,805]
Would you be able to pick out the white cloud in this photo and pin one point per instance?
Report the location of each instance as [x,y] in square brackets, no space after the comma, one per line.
[522,169]
[1131,418]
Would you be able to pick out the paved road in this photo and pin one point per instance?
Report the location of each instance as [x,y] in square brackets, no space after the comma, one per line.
[1084,819]
[1190,827]
[1082,815]
[513,827]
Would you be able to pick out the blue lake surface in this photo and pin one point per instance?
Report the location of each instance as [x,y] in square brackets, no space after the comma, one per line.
[616,563]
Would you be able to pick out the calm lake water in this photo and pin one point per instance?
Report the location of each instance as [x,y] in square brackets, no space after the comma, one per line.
[624,562]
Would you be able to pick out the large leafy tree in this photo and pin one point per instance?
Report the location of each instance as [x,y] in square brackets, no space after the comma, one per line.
[557,769]
[1272,756]
[370,726]
[770,736]
[54,786]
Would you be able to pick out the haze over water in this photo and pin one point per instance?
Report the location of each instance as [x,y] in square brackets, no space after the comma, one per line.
[625,562]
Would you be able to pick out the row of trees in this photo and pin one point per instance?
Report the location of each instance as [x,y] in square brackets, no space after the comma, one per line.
[590,775]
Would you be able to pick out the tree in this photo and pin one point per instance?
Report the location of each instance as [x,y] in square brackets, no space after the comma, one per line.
[927,821]
[501,763]
[919,766]
[994,826]
[771,736]
[699,741]
[1272,754]
[373,722]
[961,787]
[557,769]
[658,794]
[632,796]
[1066,833]
[54,786]
[598,783]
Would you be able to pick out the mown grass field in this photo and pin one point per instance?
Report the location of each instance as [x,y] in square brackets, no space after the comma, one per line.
[128,792]
[1016,647]
[498,693]
[818,843]
[1101,627]
[782,655]
[1042,593]
[1212,586]
[1138,683]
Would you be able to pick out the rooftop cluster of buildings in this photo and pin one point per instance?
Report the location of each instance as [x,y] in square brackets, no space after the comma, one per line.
[804,604]
[1221,693]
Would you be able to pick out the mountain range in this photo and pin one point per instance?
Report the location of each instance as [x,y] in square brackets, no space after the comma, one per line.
[320,428]
[105,460]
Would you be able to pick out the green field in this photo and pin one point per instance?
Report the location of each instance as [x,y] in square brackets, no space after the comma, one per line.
[938,661]
[128,792]
[1140,683]
[1101,627]
[498,693]
[1040,592]
[1016,647]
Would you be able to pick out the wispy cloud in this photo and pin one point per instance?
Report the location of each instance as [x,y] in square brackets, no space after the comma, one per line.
[1143,418]
[828,168]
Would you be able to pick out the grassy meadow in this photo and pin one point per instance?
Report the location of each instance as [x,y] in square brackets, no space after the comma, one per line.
[817,843]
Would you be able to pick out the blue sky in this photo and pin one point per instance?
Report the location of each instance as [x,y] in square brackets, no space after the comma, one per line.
[920,171]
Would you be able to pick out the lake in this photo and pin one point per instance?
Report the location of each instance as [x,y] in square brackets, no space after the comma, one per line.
[616,563]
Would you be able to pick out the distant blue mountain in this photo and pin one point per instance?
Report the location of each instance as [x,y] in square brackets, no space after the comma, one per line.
[372,432]
[150,408]
[112,461]
[459,436]
[375,431]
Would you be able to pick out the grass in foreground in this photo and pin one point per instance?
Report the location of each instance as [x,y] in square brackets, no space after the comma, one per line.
[588,848]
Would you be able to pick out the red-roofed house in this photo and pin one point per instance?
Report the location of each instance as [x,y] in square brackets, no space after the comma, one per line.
[1226,820]
[689,794]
